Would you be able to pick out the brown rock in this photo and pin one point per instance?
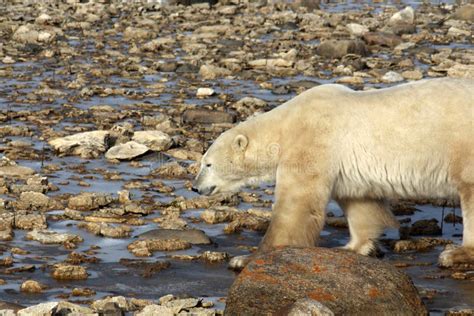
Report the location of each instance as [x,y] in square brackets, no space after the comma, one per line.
[344,282]
[30,221]
[465,12]
[69,272]
[340,48]
[32,286]
[382,39]
[144,248]
[89,201]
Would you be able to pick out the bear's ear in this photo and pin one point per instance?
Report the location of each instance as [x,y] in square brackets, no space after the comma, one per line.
[240,143]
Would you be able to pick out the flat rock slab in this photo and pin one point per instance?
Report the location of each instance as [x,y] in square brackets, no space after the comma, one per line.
[126,151]
[342,281]
[193,236]
[15,171]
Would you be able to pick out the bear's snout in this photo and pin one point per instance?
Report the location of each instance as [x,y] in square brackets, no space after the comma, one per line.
[204,191]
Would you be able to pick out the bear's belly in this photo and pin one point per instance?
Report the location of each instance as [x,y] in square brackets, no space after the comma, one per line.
[412,184]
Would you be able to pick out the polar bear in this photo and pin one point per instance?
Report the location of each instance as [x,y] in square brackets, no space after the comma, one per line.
[414,140]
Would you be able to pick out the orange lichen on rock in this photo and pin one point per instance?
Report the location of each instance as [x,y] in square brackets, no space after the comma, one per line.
[320,295]
[318,269]
[374,292]
[258,275]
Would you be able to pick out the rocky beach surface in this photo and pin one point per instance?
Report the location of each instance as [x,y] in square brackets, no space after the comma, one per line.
[106,109]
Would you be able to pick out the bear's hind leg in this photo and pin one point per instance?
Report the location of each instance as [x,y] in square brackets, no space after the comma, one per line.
[367,220]
[464,254]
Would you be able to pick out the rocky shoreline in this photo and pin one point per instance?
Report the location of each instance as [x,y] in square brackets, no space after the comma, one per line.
[106,109]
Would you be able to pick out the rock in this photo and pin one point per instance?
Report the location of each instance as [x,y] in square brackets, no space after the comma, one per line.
[192,236]
[15,171]
[158,43]
[382,39]
[107,230]
[357,29]
[69,272]
[465,12]
[181,304]
[67,308]
[136,34]
[412,74]
[218,215]
[184,154]
[43,18]
[8,60]
[272,282]
[154,309]
[421,244]
[145,248]
[205,92]
[86,145]
[44,309]
[26,34]
[155,140]
[6,234]
[122,303]
[52,237]
[210,72]
[455,32]
[307,306]
[32,286]
[400,29]
[126,151]
[82,292]
[271,63]
[35,201]
[405,16]
[214,256]
[460,71]
[460,312]
[392,76]
[425,227]
[351,80]
[340,48]
[207,116]
[89,201]
[30,221]
[171,170]
[452,218]
[339,222]
[247,221]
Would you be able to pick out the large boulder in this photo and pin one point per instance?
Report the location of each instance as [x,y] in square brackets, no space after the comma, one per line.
[341,281]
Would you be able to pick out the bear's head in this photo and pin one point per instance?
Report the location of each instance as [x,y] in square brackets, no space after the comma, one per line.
[236,158]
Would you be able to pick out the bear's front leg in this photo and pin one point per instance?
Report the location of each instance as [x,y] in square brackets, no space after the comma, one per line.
[298,213]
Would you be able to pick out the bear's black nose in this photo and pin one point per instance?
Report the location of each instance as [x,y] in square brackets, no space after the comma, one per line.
[194,190]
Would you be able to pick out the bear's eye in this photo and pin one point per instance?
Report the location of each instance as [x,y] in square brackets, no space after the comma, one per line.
[208,165]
